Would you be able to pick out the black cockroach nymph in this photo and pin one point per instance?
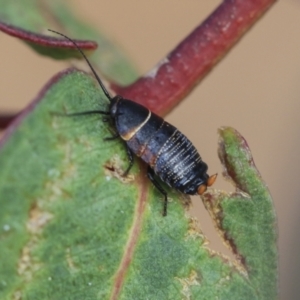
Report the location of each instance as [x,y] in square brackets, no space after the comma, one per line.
[168,153]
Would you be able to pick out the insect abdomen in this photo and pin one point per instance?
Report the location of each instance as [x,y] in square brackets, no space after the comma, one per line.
[179,164]
[170,154]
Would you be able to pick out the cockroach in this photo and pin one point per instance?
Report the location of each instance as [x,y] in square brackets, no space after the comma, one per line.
[168,152]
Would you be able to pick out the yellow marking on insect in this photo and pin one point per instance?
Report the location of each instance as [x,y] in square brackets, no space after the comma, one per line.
[128,135]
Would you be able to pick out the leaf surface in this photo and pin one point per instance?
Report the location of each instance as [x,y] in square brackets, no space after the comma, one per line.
[71,227]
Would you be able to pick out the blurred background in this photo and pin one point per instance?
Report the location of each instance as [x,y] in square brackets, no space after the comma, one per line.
[255,89]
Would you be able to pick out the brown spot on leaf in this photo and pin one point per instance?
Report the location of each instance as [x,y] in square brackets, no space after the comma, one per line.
[70,261]
[17,295]
[27,266]
[193,279]
[213,206]
[185,200]
[37,219]
[114,168]
[195,232]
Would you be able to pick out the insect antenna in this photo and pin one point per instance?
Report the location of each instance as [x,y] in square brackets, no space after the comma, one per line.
[88,62]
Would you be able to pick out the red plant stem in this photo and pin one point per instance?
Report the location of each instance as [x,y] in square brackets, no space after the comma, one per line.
[44,40]
[176,75]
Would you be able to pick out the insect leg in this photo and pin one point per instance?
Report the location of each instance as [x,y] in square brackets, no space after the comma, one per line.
[89,112]
[110,138]
[151,174]
[130,157]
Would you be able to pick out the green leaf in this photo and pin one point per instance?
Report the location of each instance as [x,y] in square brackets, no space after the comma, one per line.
[71,227]
[246,218]
[57,14]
